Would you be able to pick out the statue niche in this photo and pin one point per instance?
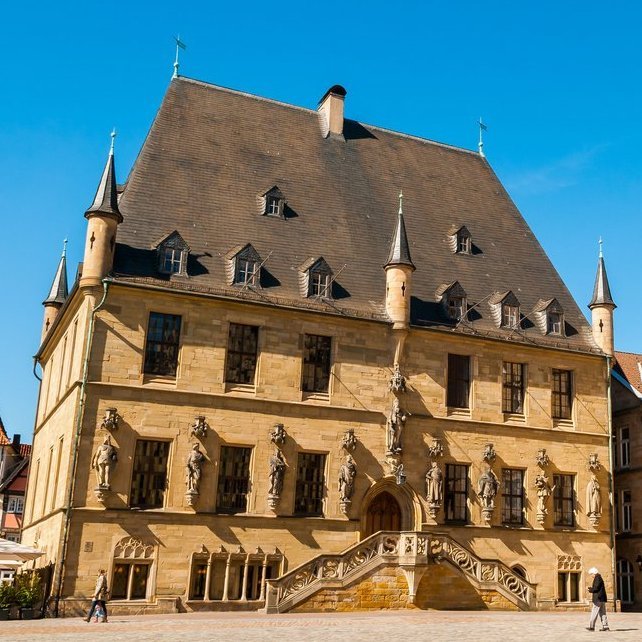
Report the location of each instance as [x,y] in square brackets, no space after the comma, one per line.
[102,462]
[347,474]
[193,467]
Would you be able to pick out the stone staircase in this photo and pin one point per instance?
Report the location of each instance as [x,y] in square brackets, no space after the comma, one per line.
[413,552]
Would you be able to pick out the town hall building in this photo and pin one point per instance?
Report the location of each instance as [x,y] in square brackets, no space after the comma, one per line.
[305,358]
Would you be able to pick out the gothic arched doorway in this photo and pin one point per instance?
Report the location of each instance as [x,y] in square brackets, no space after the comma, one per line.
[383,514]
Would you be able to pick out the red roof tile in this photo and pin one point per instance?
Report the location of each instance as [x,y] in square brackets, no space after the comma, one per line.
[631,365]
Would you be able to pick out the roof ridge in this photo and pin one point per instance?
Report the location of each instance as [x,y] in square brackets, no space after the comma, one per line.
[246,94]
[637,354]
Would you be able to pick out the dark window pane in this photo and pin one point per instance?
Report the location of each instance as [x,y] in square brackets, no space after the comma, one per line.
[139,581]
[150,474]
[513,496]
[563,500]
[458,381]
[513,388]
[310,484]
[233,480]
[456,493]
[161,350]
[119,583]
[574,580]
[562,394]
[242,353]
[316,363]
[199,574]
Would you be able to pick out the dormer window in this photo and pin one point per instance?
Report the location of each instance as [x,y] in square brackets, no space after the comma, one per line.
[554,323]
[454,301]
[464,242]
[456,305]
[245,264]
[273,202]
[316,278]
[172,255]
[461,241]
[510,316]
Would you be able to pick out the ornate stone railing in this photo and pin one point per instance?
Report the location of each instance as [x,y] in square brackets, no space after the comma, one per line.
[412,551]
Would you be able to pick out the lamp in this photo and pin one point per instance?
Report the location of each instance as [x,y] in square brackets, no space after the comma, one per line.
[638,561]
[400,475]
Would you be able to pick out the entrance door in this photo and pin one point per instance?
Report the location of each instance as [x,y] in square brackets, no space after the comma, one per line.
[384,514]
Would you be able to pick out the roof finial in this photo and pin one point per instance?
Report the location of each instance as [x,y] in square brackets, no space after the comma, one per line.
[600,242]
[179,45]
[64,248]
[400,201]
[480,145]
[113,135]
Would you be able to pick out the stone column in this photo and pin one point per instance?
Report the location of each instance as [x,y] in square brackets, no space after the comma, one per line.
[244,587]
[263,574]
[226,581]
[208,578]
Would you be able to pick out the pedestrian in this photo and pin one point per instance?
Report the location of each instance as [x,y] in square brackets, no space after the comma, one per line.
[99,598]
[599,601]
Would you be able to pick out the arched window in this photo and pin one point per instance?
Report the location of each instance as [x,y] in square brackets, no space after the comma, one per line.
[625,581]
[131,573]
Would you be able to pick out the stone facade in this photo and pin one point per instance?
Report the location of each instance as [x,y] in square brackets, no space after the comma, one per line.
[179,531]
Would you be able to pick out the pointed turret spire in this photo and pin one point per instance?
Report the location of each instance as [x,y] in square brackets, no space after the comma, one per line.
[59,292]
[601,290]
[106,199]
[399,250]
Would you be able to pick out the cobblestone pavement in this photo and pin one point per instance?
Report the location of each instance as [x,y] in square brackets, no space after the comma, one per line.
[354,627]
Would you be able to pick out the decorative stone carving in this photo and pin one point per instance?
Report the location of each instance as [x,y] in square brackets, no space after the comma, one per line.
[569,563]
[543,493]
[347,474]
[400,476]
[276,476]
[542,458]
[434,489]
[436,449]
[489,454]
[102,462]
[396,423]
[593,501]
[278,434]
[199,427]
[487,487]
[594,463]
[193,466]
[349,441]
[110,420]
[397,382]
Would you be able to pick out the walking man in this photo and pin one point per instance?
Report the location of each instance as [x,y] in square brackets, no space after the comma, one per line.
[99,596]
[599,601]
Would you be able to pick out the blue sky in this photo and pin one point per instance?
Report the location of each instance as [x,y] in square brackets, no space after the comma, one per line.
[557,83]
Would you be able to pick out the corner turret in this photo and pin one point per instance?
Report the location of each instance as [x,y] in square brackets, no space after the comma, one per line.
[602,307]
[57,293]
[399,268]
[103,218]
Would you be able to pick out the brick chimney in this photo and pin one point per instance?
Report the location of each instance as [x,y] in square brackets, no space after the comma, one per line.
[331,110]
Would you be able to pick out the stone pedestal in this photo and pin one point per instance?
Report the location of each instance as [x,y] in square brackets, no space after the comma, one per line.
[101,492]
[273,501]
[191,497]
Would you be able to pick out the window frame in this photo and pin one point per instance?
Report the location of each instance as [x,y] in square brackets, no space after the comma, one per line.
[14,503]
[554,322]
[459,381]
[623,449]
[464,243]
[161,479]
[316,383]
[174,262]
[151,362]
[564,500]
[570,581]
[310,491]
[457,307]
[559,409]
[131,563]
[319,284]
[243,275]
[629,574]
[510,316]
[270,202]
[244,460]
[452,493]
[511,382]
[513,515]
[231,353]
[627,510]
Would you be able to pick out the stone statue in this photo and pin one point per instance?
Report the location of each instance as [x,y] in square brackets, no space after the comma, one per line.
[396,423]
[487,487]
[103,461]
[435,484]
[277,473]
[593,500]
[397,381]
[347,473]
[193,466]
[543,493]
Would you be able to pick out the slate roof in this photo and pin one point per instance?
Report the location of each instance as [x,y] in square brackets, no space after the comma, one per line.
[59,291]
[211,152]
[630,365]
[601,289]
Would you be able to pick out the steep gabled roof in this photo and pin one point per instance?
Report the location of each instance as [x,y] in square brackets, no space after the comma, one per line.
[601,289]
[630,365]
[59,291]
[106,199]
[211,151]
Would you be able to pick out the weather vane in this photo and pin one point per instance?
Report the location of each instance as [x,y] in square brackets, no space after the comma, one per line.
[400,201]
[482,128]
[179,45]
[600,242]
